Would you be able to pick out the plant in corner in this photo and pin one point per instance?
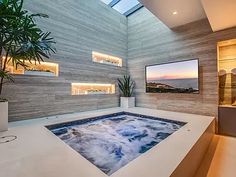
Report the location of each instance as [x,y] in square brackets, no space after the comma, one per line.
[126,86]
[21,40]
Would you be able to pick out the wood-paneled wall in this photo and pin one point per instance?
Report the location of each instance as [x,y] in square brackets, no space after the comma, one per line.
[79,27]
[151,42]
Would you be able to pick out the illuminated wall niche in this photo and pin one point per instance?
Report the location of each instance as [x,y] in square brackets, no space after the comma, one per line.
[92,89]
[42,69]
[106,59]
[227,72]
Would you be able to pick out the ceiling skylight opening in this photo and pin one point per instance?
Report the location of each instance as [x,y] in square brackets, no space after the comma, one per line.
[125,7]
[107,2]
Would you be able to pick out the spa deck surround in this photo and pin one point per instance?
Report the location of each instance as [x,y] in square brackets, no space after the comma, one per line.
[169,156]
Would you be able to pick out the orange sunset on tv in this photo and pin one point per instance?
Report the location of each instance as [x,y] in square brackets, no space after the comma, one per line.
[178,77]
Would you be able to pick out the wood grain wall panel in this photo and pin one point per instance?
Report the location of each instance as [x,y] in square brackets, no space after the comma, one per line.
[151,42]
[79,27]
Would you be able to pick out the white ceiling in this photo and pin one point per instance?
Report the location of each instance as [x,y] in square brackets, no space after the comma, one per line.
[220,13]
[188,11]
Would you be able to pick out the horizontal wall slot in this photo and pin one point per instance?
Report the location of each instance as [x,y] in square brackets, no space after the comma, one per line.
[106,59]
[92,89]
[36,69]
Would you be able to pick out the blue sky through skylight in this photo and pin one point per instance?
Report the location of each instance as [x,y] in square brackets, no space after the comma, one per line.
[125,7]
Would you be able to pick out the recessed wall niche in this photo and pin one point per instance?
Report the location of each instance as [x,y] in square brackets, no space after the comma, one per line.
[92,89]
[227,72]
[36,69]
[106,59]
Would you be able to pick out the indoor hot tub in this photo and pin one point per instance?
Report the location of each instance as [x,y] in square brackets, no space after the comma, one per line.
[112,141]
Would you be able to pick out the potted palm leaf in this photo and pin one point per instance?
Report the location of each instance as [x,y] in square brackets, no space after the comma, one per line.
[21,40]
[126,86]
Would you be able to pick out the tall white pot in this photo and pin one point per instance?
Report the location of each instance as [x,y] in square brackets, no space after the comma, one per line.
[3,116]
[127,102]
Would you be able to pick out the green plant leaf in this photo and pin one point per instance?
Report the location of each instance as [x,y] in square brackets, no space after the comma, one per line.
[5,75]
[126,86]
[20,37]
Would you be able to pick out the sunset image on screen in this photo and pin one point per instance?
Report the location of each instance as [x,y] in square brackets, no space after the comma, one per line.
[179,77]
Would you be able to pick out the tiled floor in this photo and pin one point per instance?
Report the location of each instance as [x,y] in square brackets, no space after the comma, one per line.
[220,161]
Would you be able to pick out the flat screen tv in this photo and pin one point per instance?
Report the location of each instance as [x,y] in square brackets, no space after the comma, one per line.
[175,77]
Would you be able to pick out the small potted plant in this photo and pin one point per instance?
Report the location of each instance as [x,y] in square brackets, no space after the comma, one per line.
[126,86]
[21,40]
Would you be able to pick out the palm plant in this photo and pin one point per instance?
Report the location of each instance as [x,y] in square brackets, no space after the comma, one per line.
[21,39]
[126,86]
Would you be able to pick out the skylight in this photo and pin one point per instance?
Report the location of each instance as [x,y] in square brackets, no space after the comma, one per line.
[106,1]
[125,7]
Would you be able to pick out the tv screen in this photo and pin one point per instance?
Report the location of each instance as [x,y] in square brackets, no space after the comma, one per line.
[177,77]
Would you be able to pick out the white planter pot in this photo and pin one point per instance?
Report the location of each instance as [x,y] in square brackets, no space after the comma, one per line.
[127,102]
[3,116]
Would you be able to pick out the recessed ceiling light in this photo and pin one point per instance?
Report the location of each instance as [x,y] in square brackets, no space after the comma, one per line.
[175,13]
